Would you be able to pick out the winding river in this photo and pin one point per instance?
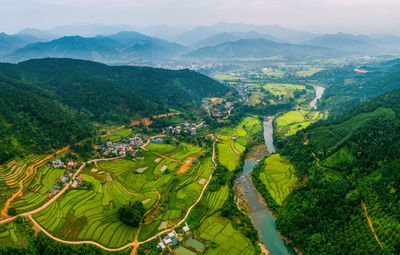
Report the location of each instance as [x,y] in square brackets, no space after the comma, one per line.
[262,217]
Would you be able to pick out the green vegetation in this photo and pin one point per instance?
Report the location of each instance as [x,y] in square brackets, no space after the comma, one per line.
[92,214]
[117,135]
[44,110]
[220,231]
[247,132]
[279,177]
[291,122]
[132,213]
[357,159]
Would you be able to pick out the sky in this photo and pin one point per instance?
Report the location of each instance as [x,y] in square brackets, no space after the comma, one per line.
[357,16]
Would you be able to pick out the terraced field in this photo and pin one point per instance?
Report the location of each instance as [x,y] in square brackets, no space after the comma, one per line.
[241,136]
[279,177]
[16,172]
[293,121]
[117,135]
[228,239]
[92,214]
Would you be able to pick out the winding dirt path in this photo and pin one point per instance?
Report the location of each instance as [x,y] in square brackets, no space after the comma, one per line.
[370,223]
[135,244]
[362,202]
[234,149]
[30,171]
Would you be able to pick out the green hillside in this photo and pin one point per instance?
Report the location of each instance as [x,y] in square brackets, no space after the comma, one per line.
[49,103]
[356,159]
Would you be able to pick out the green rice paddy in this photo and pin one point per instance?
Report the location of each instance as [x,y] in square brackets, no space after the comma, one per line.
[279,177]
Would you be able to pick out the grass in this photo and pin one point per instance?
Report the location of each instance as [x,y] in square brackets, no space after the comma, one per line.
[243,134]
[293,121]
[162,148]
[180,250]
[308,72]
[279,177]
[226,156]
[283,89]
[117,135]
[228,239]
[92,214]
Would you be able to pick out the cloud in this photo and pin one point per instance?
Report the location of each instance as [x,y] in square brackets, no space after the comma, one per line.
[362,15]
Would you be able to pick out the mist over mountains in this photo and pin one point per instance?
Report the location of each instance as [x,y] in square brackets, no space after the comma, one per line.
[122,44]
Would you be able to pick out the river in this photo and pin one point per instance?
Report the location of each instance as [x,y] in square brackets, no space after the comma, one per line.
[319,91]
[262,217]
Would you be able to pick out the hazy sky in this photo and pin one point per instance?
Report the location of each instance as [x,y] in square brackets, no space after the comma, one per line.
[355,15]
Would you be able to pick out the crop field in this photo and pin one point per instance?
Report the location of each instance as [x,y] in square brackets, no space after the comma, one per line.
[228,239]
[162,148]
[278,177]
[240,135]
[10,236]
[182,195]
[286,90]
[117,135]
[92,214]
[124,172]
[291,122]
[308,72]
[226,156]
[185,150]
[41,186]
[12,172]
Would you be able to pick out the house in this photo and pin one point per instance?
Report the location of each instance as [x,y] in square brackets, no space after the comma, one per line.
[63,178]
[167,240]
[158,140]
[193,131]
[57,163]
[74,184]
[186,228]
[161,245]
[172,235]
[71,163]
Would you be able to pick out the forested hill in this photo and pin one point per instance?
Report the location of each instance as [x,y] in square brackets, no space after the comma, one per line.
[348,87]
[356,157]
[49,103]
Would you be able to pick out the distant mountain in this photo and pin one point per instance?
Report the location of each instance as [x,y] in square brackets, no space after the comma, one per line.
[89,30]
[10,43]
[230,37]
[49,103]
[194,35]
[100,49]
[259,48]
[141,46]
[285,34]
[349,42]
[122,47]
[37,33]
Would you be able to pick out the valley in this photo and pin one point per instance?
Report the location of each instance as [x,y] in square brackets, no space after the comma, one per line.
[137,160]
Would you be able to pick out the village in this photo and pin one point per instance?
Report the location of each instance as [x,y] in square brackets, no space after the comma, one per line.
[66,177]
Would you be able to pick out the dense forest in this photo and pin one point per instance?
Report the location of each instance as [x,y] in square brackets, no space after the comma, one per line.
[49,103]
[347,87]
[344,162]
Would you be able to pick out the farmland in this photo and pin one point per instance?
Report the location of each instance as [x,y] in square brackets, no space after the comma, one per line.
[278,176]
[237,138]
[228,239]
[119,134]
[289,123]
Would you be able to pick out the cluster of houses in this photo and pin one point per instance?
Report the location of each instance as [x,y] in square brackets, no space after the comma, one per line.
[120,148]
[63,178]
[171,238]
[186,127]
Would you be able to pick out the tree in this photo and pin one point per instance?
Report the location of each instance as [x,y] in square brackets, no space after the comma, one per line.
[12,211]
[132,213]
